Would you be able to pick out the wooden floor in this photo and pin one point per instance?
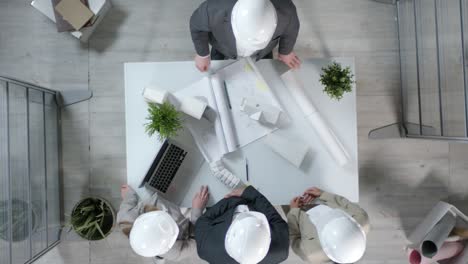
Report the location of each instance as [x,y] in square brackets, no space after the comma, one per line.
[400,180]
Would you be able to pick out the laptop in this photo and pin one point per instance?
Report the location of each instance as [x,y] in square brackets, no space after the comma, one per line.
[173,170]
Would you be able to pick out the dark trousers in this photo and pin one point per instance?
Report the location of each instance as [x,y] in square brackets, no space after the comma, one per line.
[216,55]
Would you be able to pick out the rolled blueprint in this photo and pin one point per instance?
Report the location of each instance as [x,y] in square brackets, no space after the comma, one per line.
[437,236]
[447,251]
[219,92]
[323,131]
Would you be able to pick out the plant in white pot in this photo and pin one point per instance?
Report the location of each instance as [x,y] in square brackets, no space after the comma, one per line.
[336,80]
[92,218]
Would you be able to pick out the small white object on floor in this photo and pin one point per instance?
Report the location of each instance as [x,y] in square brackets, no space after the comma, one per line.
[192,106]
[154,95]
[291,150]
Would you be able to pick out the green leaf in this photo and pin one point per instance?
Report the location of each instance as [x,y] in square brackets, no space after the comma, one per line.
[100,230]
[164,120]
[89,222]
[336,80]
[87,208]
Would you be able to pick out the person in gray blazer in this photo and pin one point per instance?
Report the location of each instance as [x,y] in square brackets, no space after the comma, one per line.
[241,28]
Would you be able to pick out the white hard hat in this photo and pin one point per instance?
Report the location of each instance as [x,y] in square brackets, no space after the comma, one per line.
[153,234]
[253,23]
[248,238]
[342,238]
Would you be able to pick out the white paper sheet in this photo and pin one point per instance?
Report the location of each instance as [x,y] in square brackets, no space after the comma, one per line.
[208,134]
[323,131]
[243,82]
[229,128]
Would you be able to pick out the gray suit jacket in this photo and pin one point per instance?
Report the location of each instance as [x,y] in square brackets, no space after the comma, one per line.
[211,228]
[303,234]
[211,24]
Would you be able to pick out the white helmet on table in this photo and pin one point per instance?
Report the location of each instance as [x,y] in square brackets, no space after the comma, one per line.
[253,23]
[248,238]
[342,238]
[153,234]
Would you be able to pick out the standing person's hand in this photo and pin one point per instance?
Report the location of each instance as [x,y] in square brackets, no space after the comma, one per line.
[291,60]
[124,190]
[202,63]
[235,193]
[296,202]
[311,194]
[200,199]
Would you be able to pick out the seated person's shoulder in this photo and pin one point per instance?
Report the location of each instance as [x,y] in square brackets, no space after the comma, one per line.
[220,4]
[286,6]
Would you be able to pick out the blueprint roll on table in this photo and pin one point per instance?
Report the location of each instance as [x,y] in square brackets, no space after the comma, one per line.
[323,131]
[229,143]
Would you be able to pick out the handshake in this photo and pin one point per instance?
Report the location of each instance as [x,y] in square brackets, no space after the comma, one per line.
[307,197]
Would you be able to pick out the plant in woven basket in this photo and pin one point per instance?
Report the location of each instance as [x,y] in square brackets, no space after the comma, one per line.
[92,218]
[164,119]
[337,80]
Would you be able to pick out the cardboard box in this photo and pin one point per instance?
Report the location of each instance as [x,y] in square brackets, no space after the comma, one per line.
[74,12]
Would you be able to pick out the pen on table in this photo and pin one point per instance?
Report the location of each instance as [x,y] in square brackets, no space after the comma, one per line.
[247,169]
[227,95]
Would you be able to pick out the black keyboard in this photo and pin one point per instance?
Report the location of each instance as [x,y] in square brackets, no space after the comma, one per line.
[167,168]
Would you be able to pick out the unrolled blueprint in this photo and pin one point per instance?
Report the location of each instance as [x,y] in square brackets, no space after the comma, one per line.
[225,127]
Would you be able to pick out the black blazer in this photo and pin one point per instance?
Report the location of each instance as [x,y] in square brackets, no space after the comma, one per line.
[211,24]
[211,229]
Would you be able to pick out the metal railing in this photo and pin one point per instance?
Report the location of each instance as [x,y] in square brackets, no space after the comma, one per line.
[30,208]
[432,44]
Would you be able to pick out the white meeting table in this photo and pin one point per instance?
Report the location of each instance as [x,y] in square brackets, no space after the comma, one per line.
[275,177]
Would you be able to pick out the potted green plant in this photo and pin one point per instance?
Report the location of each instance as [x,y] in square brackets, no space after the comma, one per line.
[20,220]
[163,119]
[92,218]
[336,80]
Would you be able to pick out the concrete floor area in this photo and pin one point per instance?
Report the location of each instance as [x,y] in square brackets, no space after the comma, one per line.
[400,180]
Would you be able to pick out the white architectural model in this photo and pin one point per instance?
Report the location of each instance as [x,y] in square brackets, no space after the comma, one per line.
[154,95]
[223,174]
[261,112]
[291,150]
[189,105]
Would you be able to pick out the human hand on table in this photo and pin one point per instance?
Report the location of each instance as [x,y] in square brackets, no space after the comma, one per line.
[235,193]
[296,202]
[291,60]
[202,63]
[200,199]
[311,194]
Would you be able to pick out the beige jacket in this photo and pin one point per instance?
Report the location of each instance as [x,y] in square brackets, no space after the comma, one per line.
[303,235]
[132,206]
